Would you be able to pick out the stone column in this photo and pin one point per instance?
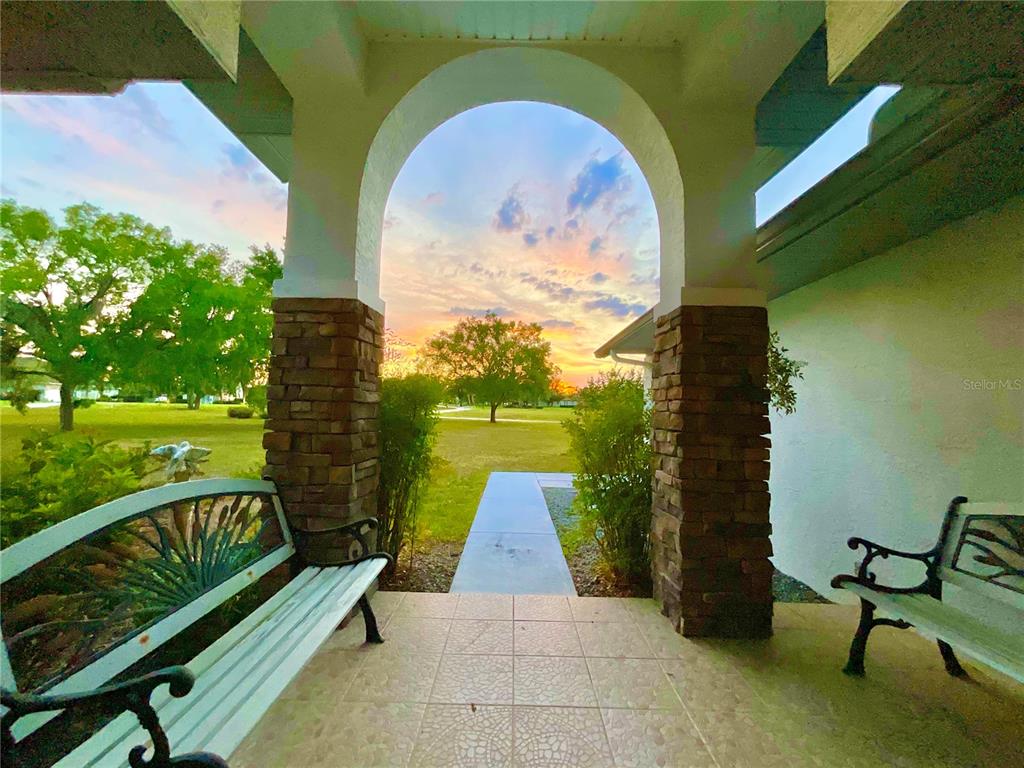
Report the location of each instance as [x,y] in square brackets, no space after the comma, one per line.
[710,527]
[322,402]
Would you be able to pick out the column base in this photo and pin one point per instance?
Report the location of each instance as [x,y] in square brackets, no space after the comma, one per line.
[710,524]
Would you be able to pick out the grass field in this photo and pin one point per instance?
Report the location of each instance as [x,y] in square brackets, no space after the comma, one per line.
[467,450]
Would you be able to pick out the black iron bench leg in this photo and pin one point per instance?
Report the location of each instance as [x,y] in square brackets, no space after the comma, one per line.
[855,664]
[372,633]
[952,665]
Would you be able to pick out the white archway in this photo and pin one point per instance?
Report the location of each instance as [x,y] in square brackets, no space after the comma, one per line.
[522,74]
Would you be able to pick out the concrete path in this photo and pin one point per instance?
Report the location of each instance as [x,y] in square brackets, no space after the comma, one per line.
[512,546]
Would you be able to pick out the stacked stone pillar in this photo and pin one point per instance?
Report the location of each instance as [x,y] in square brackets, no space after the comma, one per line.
[322,402]
[710,528]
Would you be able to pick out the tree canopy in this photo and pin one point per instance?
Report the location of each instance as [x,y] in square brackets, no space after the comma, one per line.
[491,360]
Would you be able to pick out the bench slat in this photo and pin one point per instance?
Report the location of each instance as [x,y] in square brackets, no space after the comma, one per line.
[1002,650]
[126,724]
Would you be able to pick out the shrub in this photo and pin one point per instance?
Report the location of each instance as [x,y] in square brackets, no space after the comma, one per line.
[240,412]
[609,436]
[20,393]
[83,402]
[256,398]
[781,372]
[54,478]
[407,431]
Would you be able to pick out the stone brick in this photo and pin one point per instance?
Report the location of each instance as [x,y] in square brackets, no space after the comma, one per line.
[710,523]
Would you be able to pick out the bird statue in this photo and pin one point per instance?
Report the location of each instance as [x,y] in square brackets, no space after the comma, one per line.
[182,459]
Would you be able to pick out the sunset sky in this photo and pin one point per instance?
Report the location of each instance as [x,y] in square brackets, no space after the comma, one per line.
[527,210]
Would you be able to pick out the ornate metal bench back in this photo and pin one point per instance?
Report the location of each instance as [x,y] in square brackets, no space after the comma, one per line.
[983,551]
[87,598]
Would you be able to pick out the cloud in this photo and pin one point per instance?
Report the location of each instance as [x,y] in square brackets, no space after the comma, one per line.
[554,289]
[531,239]
[598,277]
[624,214]
[596,181]
[479,312]
[550,232]
[390,221]
[616,306]
[553,323]
[434,198]
[595,245]
[511,215]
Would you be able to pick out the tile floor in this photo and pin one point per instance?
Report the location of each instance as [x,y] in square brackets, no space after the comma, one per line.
[492,681]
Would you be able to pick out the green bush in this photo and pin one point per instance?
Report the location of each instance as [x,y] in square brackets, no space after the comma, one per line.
[83,402]
[781,371]
[256,398]
[240,412]
[609,436]
[20,393]
[407,432]
[54,478]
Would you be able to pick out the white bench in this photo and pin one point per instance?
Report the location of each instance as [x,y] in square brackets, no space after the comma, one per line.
[972,596]
[88,598]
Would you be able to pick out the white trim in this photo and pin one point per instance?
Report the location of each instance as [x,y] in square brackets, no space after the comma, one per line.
[697,296]
[134,649]
[294,286]
[26,553]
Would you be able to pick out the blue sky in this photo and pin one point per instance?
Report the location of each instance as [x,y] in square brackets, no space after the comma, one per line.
[525,209]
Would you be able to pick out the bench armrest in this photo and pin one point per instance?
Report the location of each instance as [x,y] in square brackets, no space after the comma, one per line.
[128,696]
[866,577]
[359,548]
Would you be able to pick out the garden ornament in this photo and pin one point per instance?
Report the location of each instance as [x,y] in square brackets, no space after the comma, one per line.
[182,459]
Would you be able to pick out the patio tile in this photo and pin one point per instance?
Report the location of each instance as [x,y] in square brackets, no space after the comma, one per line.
[736,738]
[704,683]
[560,736]
[632,683]
[483,605]
[553,681]
[473,680]
[542,608]
[431,605]
[464,736]
[598,609]
[621,640]
[415,635]
[642,607]
[325,677]
[369,734]
[480,636]
[546,638]
[283,738]
[393,677]
[653,738]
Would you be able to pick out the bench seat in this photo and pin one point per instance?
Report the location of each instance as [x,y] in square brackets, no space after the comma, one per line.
[1000,649]
[240,675]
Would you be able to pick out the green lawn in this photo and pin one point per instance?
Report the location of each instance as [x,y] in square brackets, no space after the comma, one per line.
[467,451]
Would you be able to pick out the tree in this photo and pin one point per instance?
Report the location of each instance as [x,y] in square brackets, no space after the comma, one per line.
[66,287]
[492,360]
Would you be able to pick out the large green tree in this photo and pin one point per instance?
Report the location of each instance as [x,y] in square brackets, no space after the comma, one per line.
[65,287]
[493,360]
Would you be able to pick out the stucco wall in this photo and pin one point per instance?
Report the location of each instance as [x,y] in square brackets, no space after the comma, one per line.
[912,394]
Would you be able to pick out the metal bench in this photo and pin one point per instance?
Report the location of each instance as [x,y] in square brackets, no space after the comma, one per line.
[88,598]
[972,596]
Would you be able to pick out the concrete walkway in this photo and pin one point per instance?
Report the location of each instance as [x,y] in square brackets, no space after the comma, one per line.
[512,546]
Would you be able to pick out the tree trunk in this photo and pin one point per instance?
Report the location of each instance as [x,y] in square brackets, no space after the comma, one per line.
[494,408]
[67,407]
[193,401]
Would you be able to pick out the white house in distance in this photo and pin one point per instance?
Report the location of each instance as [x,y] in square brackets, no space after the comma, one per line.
[898,279]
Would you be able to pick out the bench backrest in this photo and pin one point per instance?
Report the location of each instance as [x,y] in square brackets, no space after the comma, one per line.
[85,599]
[982,556]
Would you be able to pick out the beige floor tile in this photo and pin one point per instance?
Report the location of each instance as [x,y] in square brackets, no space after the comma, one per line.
[598,609]
[283,738]
[546,638]
[484,606]
[464,736]
[632,683]
[737,740]
[546,737]
[701,682]
[541,608]
[385,604]
[393,677]
[473,680]
[414,635]
[553,681]
[642,607]
[431,605]
[654,738]
[604,639]
[368,735]
[352,637]
[480,636]
[325,677]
